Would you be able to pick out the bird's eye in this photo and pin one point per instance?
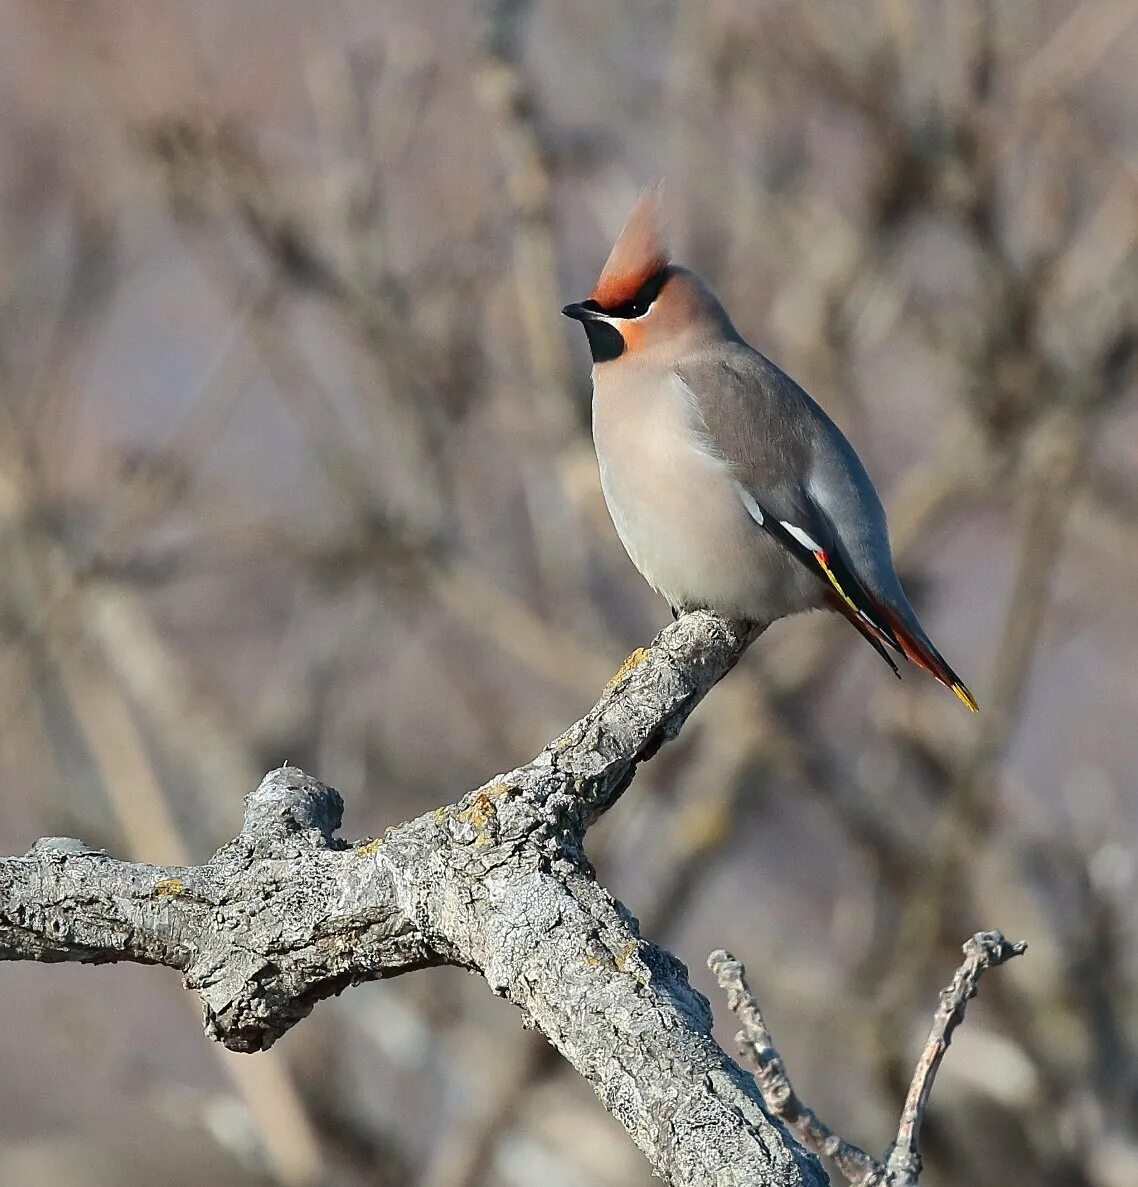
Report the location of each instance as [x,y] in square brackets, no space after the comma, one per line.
[637,307]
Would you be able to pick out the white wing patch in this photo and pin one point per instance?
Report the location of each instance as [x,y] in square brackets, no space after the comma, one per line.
[805,540]
[753,509]
[756,513]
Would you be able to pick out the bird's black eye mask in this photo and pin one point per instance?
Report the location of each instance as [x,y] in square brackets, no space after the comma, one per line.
[639,305]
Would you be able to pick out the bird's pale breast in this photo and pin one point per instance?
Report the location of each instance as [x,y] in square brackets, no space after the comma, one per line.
[676,507]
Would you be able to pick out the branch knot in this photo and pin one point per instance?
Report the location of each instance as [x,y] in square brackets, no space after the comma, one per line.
[291,806]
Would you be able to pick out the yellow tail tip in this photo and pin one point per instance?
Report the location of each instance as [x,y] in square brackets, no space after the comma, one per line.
[968,700]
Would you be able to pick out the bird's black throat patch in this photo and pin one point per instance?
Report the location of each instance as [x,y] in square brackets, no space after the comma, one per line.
[605,341]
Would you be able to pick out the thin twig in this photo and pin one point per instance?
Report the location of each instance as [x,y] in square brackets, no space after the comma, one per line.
[757,1047]
[902,1164]
[985,950]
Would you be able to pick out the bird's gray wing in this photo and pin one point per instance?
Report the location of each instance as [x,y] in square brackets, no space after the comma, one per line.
[787,454]
[805,485]
[798,477]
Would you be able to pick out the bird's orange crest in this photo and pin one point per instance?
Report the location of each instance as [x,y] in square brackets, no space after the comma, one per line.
[638,254]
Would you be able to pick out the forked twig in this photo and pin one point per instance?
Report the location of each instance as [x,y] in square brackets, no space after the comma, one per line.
[901,1166]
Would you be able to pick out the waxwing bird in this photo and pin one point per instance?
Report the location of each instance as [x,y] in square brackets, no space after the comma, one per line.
[730,488]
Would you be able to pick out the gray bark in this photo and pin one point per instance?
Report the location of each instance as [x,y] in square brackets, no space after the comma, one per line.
[287,914]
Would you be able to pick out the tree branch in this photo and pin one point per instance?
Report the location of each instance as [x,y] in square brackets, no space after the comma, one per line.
[287,914]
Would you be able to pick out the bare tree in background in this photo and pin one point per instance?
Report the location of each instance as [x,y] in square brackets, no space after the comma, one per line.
[282,380]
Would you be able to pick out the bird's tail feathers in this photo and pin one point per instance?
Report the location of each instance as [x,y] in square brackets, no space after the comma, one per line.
[920,651]
[879,623]
[882,626]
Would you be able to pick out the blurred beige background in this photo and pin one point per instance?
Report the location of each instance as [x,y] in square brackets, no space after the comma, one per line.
[294,464]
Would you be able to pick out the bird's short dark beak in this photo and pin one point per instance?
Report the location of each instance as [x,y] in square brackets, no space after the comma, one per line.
[579,312]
